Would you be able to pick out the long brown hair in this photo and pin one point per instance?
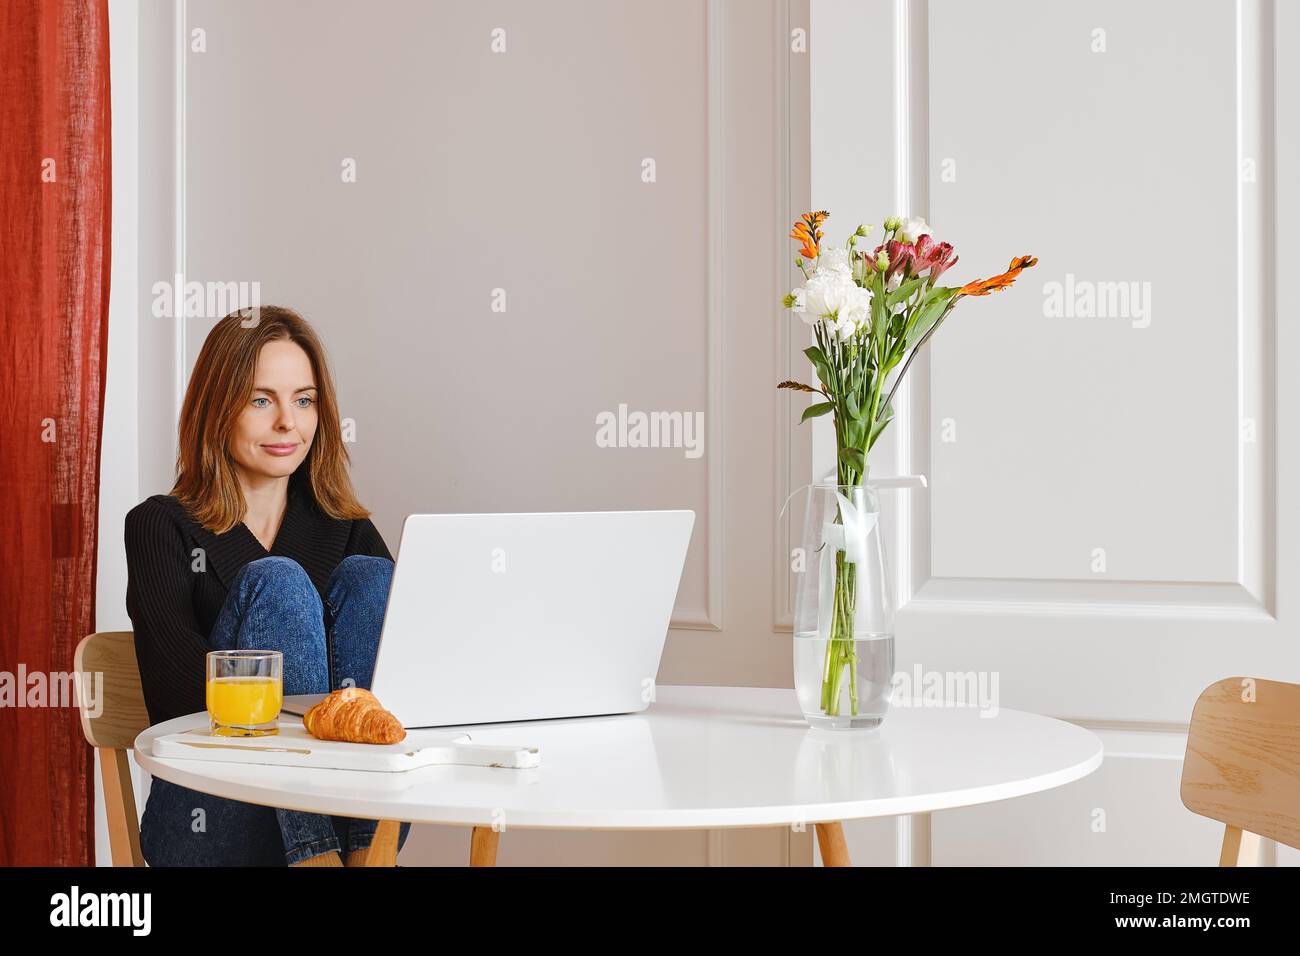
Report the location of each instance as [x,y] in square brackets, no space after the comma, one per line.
[219,389]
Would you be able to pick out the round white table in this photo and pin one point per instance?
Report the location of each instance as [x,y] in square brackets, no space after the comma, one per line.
[699,757]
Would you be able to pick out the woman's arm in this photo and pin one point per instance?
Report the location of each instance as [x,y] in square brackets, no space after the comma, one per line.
[169,647]
[366,539]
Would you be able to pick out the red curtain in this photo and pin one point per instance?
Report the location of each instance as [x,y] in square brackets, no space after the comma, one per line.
[55,213]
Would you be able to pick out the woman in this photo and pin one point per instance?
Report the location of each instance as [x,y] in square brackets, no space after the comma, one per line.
[261,543]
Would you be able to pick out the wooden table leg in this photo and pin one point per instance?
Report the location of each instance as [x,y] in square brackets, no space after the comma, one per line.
[483,846]
[830,839]
[383,848]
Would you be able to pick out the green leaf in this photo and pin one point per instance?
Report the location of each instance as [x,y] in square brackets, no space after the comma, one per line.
[813,411]
[925,317]
[852,404]
[822,365]
[885,418]
[815,355]
[939,294]
[879,320]
[928,315]
[854,458]
[903,291]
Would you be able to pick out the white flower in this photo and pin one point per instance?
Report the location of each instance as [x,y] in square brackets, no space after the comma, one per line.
[894,282]
[844,328]
[800,305]
[854,314]
[857,308]
[913,228]
[833,296]
[834,260]
[826,292]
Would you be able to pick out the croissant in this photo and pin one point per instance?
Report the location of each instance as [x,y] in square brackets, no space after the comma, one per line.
[355,714]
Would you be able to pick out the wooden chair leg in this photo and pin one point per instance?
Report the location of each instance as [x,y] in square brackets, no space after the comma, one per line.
[383,848]
[1240,847]
[830,839]
[483,846]
[119,808]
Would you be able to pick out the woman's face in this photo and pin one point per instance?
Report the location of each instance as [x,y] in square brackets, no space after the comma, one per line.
[274,432]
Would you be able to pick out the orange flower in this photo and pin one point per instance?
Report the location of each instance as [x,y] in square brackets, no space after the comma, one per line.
[809,234]
[985,286]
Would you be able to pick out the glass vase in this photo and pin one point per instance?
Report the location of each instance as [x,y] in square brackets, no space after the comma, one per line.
[843,610]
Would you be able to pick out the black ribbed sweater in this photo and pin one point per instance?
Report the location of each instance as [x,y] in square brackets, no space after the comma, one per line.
[175,591]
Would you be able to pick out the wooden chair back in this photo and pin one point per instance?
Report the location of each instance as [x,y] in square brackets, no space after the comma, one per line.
[112,716]
[1242,765]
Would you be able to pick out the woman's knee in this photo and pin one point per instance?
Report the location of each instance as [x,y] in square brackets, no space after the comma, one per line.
[360,571]
[272,604]
[280,580]
[273,571]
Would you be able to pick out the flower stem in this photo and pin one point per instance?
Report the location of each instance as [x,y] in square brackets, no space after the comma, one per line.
[841,651]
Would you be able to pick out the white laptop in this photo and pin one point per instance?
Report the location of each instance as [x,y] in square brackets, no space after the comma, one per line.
[503,617]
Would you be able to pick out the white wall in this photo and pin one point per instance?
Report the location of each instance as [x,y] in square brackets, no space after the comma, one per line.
[1118,142]
[520,171]
[119,488]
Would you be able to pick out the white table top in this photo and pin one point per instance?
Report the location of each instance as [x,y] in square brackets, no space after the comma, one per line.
[699,757]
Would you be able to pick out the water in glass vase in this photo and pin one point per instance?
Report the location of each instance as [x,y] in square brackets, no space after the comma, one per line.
[844,684]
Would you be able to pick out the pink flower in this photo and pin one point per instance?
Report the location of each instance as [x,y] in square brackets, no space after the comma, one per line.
[936,257]
[902,257]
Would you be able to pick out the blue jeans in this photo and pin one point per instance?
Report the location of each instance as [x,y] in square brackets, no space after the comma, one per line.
[272,605]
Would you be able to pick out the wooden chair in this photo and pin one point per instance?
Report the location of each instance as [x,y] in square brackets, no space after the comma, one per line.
[1242,765]
[122,717]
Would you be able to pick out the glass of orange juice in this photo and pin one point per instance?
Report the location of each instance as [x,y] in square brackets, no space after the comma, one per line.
[245,691]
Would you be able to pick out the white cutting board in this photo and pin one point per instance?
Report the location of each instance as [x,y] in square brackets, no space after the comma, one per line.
[294,747]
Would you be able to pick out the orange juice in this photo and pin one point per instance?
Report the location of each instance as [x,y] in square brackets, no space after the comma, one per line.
[245,701]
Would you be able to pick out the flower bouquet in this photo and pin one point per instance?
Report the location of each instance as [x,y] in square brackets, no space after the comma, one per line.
[870,313]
